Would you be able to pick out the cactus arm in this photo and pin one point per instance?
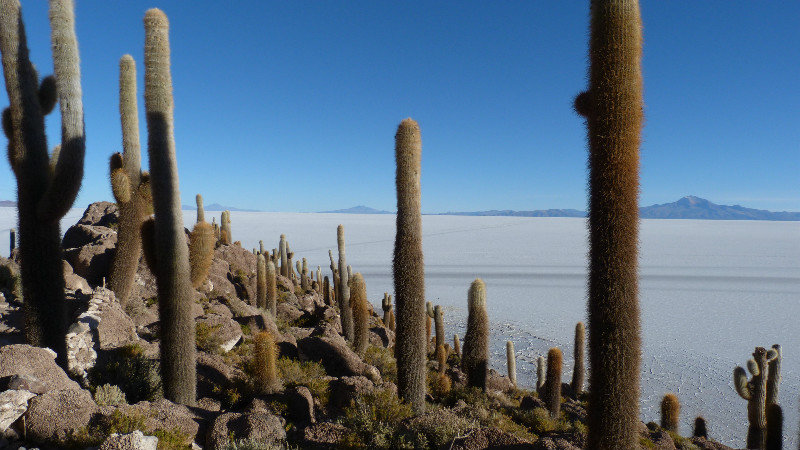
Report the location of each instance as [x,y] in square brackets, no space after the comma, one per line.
[741,384]
[24,122]
[129,116]
[120,183]
[48,94]
[66,179]
[752,367]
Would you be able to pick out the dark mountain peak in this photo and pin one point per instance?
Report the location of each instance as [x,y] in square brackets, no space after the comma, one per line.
[360,209]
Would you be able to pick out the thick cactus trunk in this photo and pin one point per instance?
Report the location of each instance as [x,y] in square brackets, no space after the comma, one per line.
[475,360]
[613,109]
[579,371]
[345,311]
[409,269]
[175,293]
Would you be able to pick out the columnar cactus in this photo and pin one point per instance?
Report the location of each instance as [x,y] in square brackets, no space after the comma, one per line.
[343,295]
[511,360]
[386,306]
[272,290]
[305,282]
[265,354]
[261,247]
[408,268]
[226,237]
[700,429]
[428,324]
[289,256]
[201,247]
[175,293]
[774,438]
[670,412]
[261,282]
[358,299]
[612,106]
[552,389]
[284,257]
[456,345]
[391,324]
[441,358]
[326,291]
[755,392]
[130,187]
[578,372]
[46,185]
[774,376]
[475,360]
[438,321]
[541,373]
[12,240]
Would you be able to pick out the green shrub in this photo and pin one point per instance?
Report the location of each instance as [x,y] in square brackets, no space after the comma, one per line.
[109,395]
[127,368]
[310,374]
[253,444]
[441,427]
[383,359]
[208,338]
[538,420]
[373,420]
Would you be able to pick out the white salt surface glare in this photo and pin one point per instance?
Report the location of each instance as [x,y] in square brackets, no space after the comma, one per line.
[710,291]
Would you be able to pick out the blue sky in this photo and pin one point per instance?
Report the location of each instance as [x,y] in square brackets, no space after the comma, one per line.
[293,106]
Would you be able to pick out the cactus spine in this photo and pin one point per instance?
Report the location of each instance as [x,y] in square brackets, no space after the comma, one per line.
[128,185]
[46,185]
[578,372]
[172,272]
[358,298]
[344,289]
[408,268]
[553,382]
[265,355]
[700,429]
[755,392]
[511,360]
[613,106]
[284,256]
[670,412]
[201,246]
[475,360]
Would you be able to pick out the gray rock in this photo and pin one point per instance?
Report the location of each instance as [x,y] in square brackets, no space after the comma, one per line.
[301,404]
[131,441]
[258,425]
[28,383]
[336,356]
[90,249]
[104,214]
[21,359]
[13,404]
[75,282]
[52,416]
[345,389]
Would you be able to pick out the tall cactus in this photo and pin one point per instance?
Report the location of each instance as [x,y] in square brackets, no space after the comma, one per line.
[46,185]
[438,321]
[272,290]
[201,246]
[475,360]
[345,311]
[409,269]
[456,345]
[175,294]
[541,373]
[579,371]
[428,324]
[755,392]
[12,240]
[225,237]
[612,106]
[130,187]
[261,282]
[774,437]
[552,387]
[326,291]
[670,412]
[358,298]
[284,257]
[774,376]
[511,363]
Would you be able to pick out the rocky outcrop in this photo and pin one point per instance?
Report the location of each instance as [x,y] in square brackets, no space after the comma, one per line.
[259,425]
[39,363]
[131,441]
[336,356]
[13,404]
[89,249]
[55,415]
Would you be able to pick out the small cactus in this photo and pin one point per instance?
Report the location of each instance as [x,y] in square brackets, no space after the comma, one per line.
[265,372]
[670,412]
[225,228]
[700,429]
[391,324]
[326,291]
[578,372]
[456,345]
[386,305]
[438,321]
[511,360]
[428,324]
[774,376]
[476,341]
[201,247]
[12,240]
[358,298]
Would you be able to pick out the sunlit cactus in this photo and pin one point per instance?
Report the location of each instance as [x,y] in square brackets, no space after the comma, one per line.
[284,257]
[343,295]
[475,360]
[755,392]
[670,412]
[612,106]
[358,299]
[265,355]
[201,247]
[408,268]
[511,362]
[456,345]
[578,371]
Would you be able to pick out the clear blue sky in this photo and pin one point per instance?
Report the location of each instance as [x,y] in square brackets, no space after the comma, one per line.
[293,106]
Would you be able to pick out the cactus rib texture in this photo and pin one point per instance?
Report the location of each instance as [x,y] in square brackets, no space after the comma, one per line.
[344,288]
[511,362]
[46,186]
[613,106]
[358,299]
[201,247]
[552,386]
[670,412]
[408,268]
[172,271]
[579,371]
[475,358]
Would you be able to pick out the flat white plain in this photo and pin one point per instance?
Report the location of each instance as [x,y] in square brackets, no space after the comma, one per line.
[710,291]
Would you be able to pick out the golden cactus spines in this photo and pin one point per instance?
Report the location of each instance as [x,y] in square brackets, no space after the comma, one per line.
[175,293]
[265,355]
[552,386]
[670,412]
[201,247]
[272,289]
[358,299]
[511,362]
[475,358]
[409,269]
[612,106]
[261,282]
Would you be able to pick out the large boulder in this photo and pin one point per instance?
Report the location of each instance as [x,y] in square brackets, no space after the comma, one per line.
[324,435]
[345,389]
[233,272]
[21,359]
[103,214]
[301,405]
[336,356]
[13,404]
[259,425]
[90,249]
[55,415]
[164,415]
[131,441]
[74,282]
[217,333]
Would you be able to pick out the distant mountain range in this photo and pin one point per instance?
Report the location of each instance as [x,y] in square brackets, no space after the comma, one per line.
[8,203]
[218,207]
[689,207]
[360,209]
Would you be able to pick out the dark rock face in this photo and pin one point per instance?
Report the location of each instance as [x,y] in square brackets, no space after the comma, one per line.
[259,425]
[53,416]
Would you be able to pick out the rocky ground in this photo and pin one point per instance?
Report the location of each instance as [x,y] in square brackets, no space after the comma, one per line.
[110,395]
